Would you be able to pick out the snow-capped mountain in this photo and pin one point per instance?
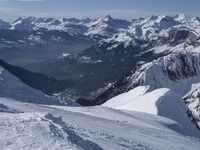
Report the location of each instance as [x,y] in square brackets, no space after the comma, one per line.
[117,30]
[158,30]
[167,72]
[178,73]
[107,26]
[172,71]
[72,26]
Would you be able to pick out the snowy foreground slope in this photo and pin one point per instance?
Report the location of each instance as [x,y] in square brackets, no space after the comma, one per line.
[30,126]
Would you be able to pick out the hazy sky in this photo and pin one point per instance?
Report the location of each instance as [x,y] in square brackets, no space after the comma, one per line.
[10,9]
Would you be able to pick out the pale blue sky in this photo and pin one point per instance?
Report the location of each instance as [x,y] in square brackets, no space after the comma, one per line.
[10,9]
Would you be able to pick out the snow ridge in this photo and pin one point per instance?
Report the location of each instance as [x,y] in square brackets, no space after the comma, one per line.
[166,70]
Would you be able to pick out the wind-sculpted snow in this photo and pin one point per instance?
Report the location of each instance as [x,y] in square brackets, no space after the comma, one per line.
[32,131]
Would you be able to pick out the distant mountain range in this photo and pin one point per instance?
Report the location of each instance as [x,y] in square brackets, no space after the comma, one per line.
[93,54]
[106,26]
[142,28]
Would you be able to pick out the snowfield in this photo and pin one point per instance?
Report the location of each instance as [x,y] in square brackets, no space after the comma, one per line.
[31,126]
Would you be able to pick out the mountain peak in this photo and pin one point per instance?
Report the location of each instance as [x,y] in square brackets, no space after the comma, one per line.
[152,18]
[107,18]
[181,17]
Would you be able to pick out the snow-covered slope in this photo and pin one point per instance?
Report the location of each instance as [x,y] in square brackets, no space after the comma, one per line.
[12,87]
[178,74]
[34,126]
[162,102]
[43,127]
